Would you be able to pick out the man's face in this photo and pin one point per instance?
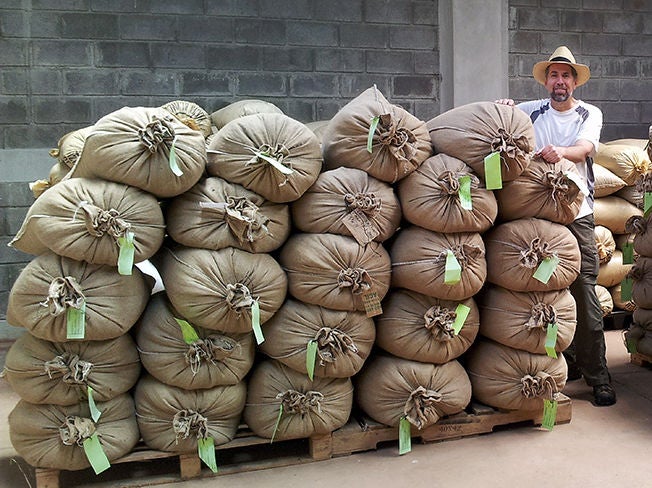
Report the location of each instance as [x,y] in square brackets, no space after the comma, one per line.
[560,82]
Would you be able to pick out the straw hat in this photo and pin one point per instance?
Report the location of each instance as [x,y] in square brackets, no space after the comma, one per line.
[561,55]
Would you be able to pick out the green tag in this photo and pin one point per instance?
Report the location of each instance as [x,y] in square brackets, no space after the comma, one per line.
[628,253]
[461,313]
[631,346]
[404,436]
[453,270]
[626,289]
[95,412]
[493,178]
[76,322]
[551,339]
[545,269]
[126,256]
[173,159]
[465,192]
[647,203]
[189,334]
[549,414]
[278,422]
[311,358]
[255,322]
[283,169]
[372,130]
[95,454]
[206,451]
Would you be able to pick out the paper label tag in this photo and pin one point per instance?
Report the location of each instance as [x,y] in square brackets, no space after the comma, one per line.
[189,334]
[126,255]
[95,454]
[461,314]
[647,203]
[628,253]
[630,344]
[626,289]
[278,422]
[551,339]
[311,358]
[173,159]
[546,269]
[549,414]
[361,228]
[465,192]
[372,305]
[95,412]
[206,451]
[404,436]
[372,131]
[493,178]
[255,322]
[76,322]
[453,270]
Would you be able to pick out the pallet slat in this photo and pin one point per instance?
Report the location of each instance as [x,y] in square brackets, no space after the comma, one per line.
[641,359]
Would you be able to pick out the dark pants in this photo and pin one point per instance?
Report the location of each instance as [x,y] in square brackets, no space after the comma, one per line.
[588,349]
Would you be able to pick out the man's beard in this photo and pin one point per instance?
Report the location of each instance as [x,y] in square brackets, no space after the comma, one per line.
[560,97]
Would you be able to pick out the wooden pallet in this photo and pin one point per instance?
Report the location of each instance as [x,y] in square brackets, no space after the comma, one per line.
[248,452]
[641,359]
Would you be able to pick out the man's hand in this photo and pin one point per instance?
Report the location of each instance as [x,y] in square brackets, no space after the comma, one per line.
[505,101]
[551,154]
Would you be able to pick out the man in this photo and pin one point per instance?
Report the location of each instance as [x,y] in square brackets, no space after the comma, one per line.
[569,128]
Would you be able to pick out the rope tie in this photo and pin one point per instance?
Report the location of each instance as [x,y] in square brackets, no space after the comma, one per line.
[439,321]
[537,252]
[245,220]
[541,315]
[188,422]
[75,429]
[508,144]
[332,342]
[295,402]
[156,132]
[213,349]
[368,203]
[74,370]
[542,385]
[561,189]
[418,405]
[238,297]
[400,141]
[99,221]
[63,292]
[356,278]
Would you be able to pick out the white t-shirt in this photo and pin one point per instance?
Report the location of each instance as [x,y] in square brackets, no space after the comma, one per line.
[584,121]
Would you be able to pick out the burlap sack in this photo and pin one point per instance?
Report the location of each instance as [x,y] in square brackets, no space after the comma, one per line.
[543,191]
[335,271]
[215,214]
[172,419]
[473,131]
[516,249]
[612,212]
[398,146]
[318,127]
[145,147]
[521,319]
[642,317]
[389,388]
[504,377]
[641,274]
[208,360]
[84,219]
[640,143]
[632,194]
[190,114]
[640,228]
[70,145]
[626,161]
[343,339]
[242,108]
[347,201]
[220,290]
[431,197]
[606,182]
[270,154]
[57,173]
[604,241]
[419,258]
[614,271]
[616,297]
[284,404]
[638,340]
[605,298]
[60,373]
[51,287]
[422,328]
[51,436]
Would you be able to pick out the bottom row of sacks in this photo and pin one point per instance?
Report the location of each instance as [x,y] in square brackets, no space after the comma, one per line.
[279,403]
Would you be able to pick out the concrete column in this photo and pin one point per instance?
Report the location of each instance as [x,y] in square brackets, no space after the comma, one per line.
[473,51]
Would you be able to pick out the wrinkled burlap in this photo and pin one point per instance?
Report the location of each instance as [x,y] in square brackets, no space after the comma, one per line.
[138,145]
[430,197]
[343,338]
[215,214]
[543,191]
[270,154]
[348,201]
[632,194]
[51,436]
[419,262]
[521,319]
[399,144]
[641,274]
[643,318]
[475,130]
[422,328]
[504,377]
[516,249]
[335,271]
[612,212]
[213,359]
[626,161]
[606,182]
[613,271]
[172,419]
[389,388]
[242,108]
[60,373]
[604,240]
[641,229]
[83,219]
[191,115]
[50,286]
[605,298]
[308,407]
[218,290]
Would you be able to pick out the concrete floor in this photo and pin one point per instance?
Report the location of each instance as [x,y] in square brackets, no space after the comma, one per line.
[603,447]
